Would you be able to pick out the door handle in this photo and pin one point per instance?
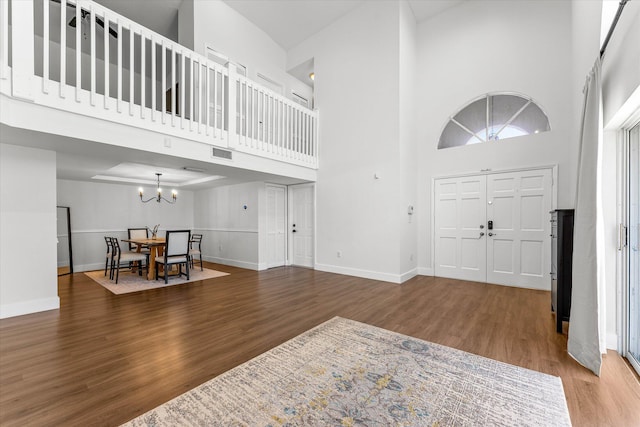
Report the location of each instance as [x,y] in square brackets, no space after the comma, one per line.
[293,231]
[492,234]
[481,234]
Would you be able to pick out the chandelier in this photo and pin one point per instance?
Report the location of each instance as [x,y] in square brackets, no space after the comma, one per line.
[159,197]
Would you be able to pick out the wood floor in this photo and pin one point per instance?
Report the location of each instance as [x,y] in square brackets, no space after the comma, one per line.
[103,359]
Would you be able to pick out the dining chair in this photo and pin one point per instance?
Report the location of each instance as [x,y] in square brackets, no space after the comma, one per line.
[195,248]
[176,252]
[109,257]
[137,233]
[126,259]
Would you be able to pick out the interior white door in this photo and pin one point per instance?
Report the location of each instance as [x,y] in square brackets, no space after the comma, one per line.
[494,228]
[302,224]
[460,237]
[276,226]
[519,244]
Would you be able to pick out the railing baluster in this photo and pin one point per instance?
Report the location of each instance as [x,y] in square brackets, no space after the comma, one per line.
[92,57]
[181,87]
[78,48]
[132,66]
[45,46]
[223,92]
[191,94]
[119,67]
[207,97]
[174,86]
[153,78]
[215,103]
[163,96]
[106,59]
[63,45]
[201,87]
[254,117]
[143,75]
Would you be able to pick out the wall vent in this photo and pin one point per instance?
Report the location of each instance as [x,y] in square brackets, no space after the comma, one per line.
[224,154]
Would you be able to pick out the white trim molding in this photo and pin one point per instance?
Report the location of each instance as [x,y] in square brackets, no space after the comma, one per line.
[425,271]
[366,274]
[29,307]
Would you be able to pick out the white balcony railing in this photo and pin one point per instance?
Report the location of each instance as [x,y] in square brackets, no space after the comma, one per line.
[78,56]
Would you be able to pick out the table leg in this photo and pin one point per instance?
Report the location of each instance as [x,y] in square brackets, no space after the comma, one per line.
[153,250]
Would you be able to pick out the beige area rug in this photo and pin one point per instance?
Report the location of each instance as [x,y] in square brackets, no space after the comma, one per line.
[131,282]
[346,373]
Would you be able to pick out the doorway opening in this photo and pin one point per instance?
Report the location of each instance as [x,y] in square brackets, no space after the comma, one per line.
[65,246]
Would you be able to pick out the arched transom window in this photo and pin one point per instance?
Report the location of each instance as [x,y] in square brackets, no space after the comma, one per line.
[494,117]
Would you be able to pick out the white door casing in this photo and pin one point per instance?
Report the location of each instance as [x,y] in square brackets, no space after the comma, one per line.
[516,252]
[276,226]
[302,224]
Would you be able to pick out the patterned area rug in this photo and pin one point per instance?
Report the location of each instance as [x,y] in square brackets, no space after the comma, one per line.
[131,282]
[347,373]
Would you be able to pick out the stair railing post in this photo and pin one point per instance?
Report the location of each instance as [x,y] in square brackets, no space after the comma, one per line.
[22,54]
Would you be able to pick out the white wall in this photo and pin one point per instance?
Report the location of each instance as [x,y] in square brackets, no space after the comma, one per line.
[222,28]
[487,46]
[231,233]
[364,94]
[101,209]
[28,272]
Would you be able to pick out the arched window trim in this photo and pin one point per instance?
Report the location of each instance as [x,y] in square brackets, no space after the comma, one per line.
[487,138]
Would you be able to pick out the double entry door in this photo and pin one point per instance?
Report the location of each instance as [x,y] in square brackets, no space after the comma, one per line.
[494,228]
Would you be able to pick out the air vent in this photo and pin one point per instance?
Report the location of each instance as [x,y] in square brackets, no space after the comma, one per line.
[223,154]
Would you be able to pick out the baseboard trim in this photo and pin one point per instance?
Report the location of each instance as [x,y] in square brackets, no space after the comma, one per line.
[425,271]
[88,267]
[408,275]
[235,263]
[365,274]
[29,307]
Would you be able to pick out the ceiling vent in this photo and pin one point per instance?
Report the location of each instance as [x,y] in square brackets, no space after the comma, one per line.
[223,154]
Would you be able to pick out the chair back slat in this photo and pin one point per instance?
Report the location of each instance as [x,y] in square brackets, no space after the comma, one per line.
[177,243]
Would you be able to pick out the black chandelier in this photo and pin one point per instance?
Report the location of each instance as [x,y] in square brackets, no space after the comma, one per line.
[159,197]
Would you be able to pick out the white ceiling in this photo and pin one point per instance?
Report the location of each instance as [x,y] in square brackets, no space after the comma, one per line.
[287,22]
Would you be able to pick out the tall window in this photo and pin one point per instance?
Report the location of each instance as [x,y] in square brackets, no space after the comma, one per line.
[494,117]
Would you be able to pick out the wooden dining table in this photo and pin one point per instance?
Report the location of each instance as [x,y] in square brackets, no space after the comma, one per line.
[156,248]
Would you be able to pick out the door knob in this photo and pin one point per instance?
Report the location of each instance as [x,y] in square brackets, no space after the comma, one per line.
[492,234]
[481,226]
[293,231]
[481,234]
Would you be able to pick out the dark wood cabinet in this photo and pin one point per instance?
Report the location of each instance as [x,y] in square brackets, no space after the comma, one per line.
[561,264]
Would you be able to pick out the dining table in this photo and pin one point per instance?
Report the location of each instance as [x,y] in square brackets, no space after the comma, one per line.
[156,248]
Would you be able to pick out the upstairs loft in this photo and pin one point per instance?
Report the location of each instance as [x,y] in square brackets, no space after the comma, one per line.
[69,66]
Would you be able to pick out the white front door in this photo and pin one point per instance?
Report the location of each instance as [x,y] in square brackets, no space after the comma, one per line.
[302,224]
[518,246]
[460,242]
[494,228]
[276,226]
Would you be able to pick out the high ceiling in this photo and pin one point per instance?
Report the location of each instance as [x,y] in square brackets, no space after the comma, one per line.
[287,22]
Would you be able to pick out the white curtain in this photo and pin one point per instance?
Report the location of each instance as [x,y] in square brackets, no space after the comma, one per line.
[587,339]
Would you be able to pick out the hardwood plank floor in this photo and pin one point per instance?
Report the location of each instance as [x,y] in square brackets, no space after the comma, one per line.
[103,359]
